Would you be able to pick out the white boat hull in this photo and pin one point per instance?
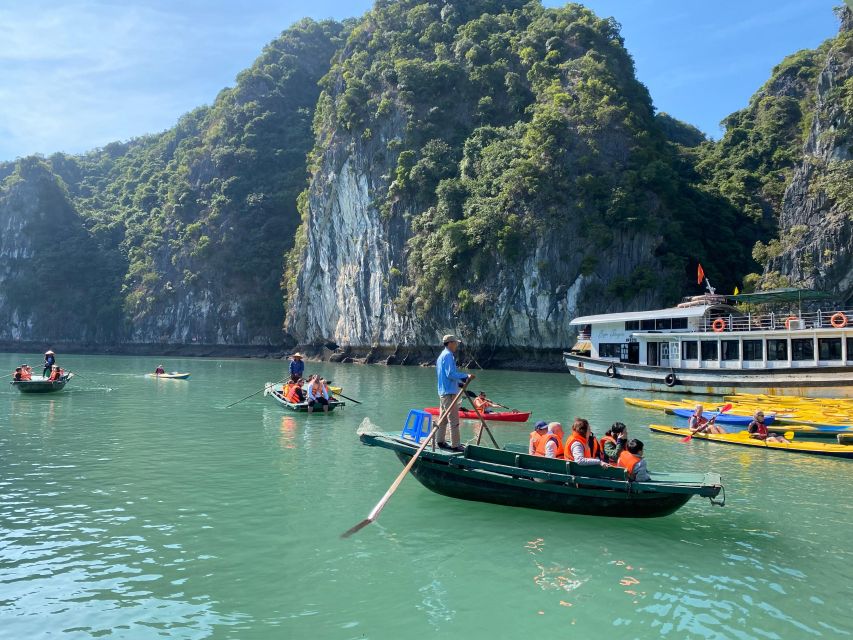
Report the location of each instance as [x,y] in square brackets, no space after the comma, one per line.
[823,382]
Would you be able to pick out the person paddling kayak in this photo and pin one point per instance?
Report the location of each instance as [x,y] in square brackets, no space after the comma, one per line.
[483,403]
[758,430]
[697,423]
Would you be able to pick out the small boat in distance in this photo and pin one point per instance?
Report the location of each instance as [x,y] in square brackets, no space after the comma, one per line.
[512,478]
[40,384]
[169,376]
[496,416]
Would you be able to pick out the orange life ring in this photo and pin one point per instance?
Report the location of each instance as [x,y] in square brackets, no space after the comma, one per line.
[838,320]
[788,321]
[718,325]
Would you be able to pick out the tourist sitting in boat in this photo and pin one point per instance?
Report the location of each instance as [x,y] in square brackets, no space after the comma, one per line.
[318,394]
[577,445]
[55,374]
[293,393]
[483,404]
[632,460]
[697,423]
[758,430]
[159,371]
[613,442]
[297,367]
[550,444]
[17,376]
[26,372]
[328,391]
[539,430]
[594,446]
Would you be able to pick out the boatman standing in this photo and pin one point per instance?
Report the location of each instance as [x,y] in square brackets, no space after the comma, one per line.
[449,378]
[297,367]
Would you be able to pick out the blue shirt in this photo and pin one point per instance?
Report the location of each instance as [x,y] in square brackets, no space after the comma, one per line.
[297,367]
[448,376]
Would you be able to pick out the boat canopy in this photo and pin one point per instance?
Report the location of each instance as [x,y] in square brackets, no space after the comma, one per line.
[673,312]
[790,294]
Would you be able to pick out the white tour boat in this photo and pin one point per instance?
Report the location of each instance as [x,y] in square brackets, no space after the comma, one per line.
[706,346]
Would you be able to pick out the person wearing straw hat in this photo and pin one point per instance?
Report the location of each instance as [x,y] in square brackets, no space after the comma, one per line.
[449,379]
[297,367]
[49,361]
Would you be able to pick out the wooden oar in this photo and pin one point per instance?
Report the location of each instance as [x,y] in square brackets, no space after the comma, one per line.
[381,504]
[483,425]
[266,386]
[725,407]
[348,398]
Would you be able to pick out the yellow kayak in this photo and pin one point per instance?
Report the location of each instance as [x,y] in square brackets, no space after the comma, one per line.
[742,438]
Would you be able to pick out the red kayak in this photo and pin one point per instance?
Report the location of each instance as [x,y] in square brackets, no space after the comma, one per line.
[498,416]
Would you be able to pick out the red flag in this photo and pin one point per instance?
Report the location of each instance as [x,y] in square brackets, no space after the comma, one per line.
[700,276]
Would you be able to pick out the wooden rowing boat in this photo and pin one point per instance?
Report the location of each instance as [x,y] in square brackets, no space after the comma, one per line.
[302,407]
[515,479]
[742,438]
[40,384]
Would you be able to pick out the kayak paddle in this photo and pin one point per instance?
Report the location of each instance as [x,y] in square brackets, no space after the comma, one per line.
[723,409]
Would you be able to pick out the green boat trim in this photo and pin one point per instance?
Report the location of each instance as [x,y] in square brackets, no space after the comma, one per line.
[509,478]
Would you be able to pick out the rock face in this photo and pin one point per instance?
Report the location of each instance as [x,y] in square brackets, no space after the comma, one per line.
[441,203]
[816,220]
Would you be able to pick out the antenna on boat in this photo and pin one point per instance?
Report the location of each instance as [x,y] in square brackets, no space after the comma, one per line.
[711,289]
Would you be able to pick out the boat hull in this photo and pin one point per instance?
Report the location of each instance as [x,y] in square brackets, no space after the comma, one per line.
[502,416]
[472,477]
[40,386]
[823,382]
[302,407]
[169,376]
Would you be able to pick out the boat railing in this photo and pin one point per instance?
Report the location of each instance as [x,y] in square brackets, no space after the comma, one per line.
[777,321]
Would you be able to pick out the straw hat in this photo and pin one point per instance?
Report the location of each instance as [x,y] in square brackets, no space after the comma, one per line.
[49,353]
[449,338]
[296,355]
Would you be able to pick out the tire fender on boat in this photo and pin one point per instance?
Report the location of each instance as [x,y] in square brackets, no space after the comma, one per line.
[670,380]
[611,371]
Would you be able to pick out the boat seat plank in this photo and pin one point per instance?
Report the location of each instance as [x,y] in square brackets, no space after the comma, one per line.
[593,471]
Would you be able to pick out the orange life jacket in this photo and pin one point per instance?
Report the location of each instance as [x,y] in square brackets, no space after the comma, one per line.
[576,437]
[481,404]
[628,460]
[543,441]
[604,439]
[289,393]
[595,448]
[26,375]
[54,375]
[535,436]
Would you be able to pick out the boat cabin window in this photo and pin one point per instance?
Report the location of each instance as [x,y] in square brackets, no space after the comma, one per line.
[849,348]
[647,325]
[730,349]
[690,349]
[679,323]
[663,324]
[802,349]
[753,350]
[609,349]
[709,350]
[777,349]
[632,325]
[829,348]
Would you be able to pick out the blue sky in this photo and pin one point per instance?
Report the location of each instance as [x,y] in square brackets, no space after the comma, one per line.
[81,73]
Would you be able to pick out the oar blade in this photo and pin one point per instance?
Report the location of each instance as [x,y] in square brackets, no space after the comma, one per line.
[361,525]
[687,438]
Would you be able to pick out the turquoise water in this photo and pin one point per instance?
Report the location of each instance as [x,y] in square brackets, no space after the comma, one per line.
[138,508]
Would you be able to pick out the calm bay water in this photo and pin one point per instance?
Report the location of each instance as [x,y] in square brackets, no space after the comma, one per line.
[138,508]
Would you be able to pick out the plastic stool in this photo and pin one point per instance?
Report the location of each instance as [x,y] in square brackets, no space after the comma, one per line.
[418,425]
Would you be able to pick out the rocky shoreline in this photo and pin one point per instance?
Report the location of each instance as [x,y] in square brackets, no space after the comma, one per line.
[520,359]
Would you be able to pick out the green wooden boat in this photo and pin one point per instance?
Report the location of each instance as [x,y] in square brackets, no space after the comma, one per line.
[515,479]
[303,406]
[40,384]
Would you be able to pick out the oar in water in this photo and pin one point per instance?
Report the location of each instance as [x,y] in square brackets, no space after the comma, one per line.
[725,407]
[265,387]
[381,504]
[348,398]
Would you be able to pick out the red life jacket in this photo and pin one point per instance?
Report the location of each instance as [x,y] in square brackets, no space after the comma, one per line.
[628,460]
[760,429]
[543,442]
[576,437]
